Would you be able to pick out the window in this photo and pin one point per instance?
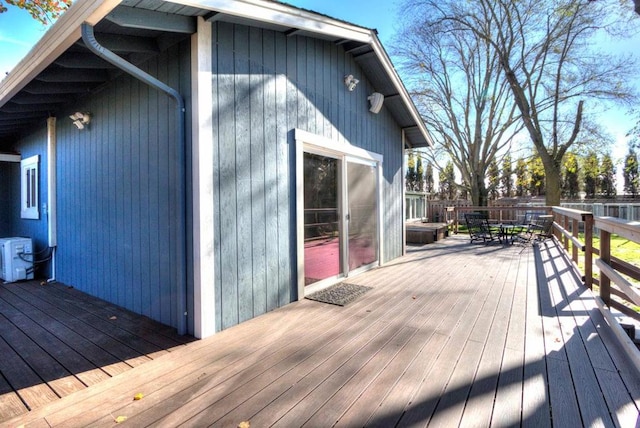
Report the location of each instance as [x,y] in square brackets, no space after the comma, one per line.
[29,188]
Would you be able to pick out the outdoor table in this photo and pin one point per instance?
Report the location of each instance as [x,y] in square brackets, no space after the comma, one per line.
[509,231]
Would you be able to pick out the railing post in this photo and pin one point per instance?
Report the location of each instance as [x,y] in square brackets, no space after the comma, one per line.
[565,239]
[574,233]
[455,216]
[588,250]
[605,256]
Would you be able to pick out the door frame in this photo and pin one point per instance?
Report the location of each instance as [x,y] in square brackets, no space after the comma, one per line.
[306,142]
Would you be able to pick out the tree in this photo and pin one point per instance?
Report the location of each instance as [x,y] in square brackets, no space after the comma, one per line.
[546,54]
[456,81]
[607,177]
[447,180]
[410,177]
[419,184]
[630,173]
[506,181]
[537,185]
[429,181]
[45,11]
[571,182]
[591,169]
[494,180]
[522,178]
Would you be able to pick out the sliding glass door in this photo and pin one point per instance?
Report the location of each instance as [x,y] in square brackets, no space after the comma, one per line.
[362,193]
[340,216]
[322,212]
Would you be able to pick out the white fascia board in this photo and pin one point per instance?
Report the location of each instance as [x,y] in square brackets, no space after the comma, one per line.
[280,14]
[402,90]
[60,37]
[6,157]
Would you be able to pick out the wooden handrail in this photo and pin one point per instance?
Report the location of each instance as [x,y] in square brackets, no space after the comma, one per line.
[563,215]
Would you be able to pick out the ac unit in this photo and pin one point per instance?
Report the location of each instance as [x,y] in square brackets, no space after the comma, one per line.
[16,259]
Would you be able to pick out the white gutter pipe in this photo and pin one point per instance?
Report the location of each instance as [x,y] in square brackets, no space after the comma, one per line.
[52,211]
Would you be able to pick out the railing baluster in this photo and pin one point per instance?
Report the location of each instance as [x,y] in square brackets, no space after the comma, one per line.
[588,250]
[605,256]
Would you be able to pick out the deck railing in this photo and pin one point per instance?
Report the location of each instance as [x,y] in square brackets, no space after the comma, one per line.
[574,230]
[567,224]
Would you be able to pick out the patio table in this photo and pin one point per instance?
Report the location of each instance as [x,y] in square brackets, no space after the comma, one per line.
[508,232]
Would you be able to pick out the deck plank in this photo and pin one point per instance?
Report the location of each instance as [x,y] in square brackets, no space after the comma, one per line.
[24,318]
[536,409]
[479,405]
[593,407]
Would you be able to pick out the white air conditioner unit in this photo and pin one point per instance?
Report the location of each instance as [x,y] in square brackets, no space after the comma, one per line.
[16,259]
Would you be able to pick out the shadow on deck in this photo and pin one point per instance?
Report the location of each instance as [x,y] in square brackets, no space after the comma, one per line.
[453,334]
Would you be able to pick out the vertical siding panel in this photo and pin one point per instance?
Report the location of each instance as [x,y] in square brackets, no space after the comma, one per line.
[328,74]
[156,233]
[271,143]
[173,80]
[258,189]
[167,185]
[111,293]
[243,171]
[301,66]
[217,201]
[228,248]
[310,86]
[283,121]
[147,210]
[119,180]
[126,198]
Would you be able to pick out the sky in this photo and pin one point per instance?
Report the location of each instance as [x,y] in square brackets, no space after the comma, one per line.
[18,33]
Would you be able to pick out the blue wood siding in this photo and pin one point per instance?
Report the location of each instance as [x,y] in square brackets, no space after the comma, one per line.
[116,181]
[11,224]
[265,85]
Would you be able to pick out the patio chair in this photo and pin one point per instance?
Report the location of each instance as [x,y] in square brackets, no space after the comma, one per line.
[538,230]
[479,228]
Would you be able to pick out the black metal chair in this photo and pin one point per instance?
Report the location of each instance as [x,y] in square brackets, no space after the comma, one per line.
[479,228]
[538,229]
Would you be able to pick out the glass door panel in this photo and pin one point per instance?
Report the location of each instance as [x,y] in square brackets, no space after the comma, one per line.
[322,254]
[362,195]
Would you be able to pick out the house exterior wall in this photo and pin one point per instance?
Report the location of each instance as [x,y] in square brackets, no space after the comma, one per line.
[116,180]
[265,85]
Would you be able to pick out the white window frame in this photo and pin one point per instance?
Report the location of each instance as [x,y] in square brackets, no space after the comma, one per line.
[30,187]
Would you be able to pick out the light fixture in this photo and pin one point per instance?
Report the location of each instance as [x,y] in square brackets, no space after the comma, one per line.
[350,82]
[80,119]
[376,99]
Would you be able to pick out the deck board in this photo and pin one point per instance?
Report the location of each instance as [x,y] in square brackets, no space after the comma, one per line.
[453,334]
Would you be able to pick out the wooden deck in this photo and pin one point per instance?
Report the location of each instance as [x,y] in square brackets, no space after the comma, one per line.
[453,334]
[55,340]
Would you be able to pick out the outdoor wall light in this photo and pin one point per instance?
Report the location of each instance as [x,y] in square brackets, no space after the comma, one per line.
[80,119]
[350,82]
[376,99]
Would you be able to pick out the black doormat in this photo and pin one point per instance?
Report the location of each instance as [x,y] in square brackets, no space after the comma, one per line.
[340,294]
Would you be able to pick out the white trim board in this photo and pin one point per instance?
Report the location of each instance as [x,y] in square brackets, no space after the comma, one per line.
[4,157]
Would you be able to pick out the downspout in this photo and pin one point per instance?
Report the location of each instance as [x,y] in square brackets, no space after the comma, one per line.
[92,44]
[52,185]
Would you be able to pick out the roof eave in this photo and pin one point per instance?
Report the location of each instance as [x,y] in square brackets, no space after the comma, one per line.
[60,37]
[402,90]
